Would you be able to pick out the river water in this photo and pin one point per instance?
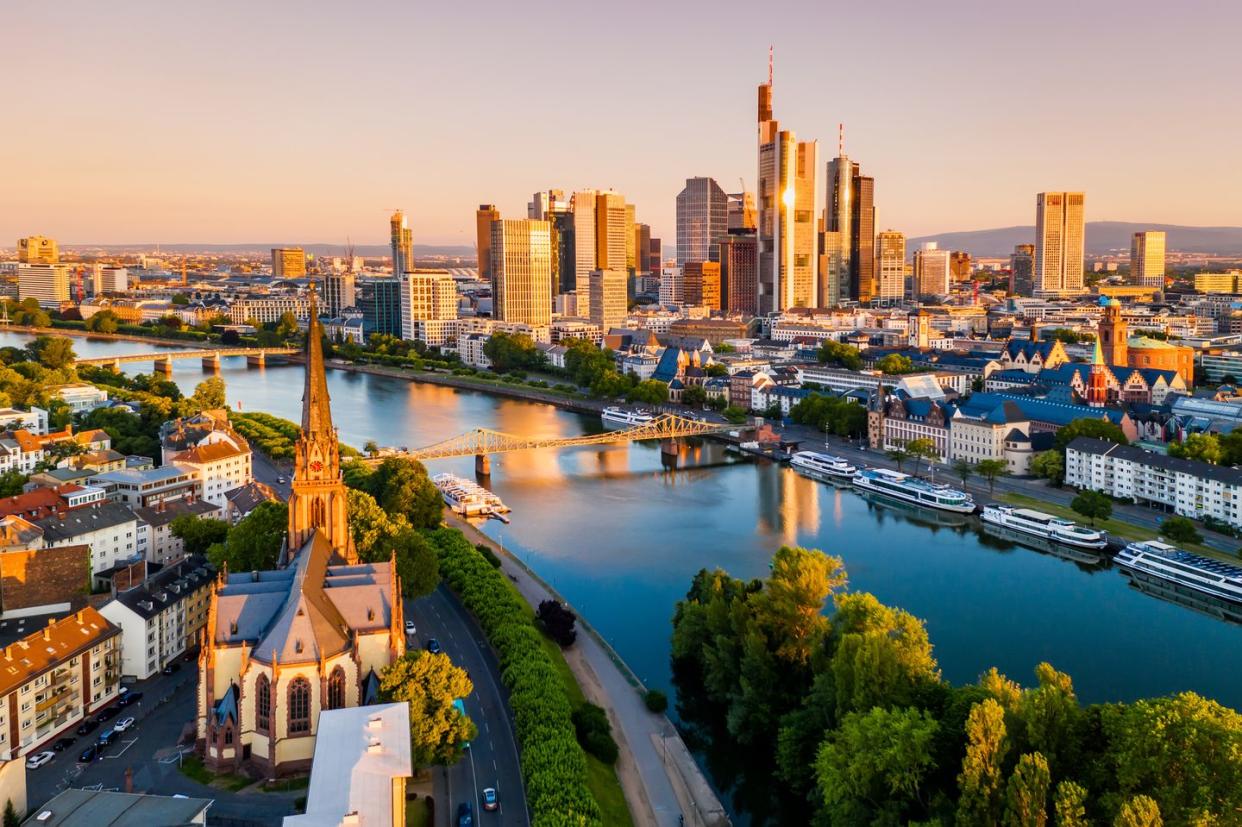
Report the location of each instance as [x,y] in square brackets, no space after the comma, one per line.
[621,536]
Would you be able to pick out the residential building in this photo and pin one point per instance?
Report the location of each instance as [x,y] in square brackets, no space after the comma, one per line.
[608,301]
[1059,243]
[20,451]
[521,270]
[340,290]
[401,239]
[92,807]
[35,579]
[1147,259]
[33,420]
[484,217]
[109,530]
[931,271]
[219,465]
[54,678]
[241,501]
[288,262]
[1022,270]
[890,247]
[37,249]
[470,349]
[672,286]
[269,309]
[46,283]
[571,328]
[150,487]
[702,220]
[109,279]
[161,615]
[429,307]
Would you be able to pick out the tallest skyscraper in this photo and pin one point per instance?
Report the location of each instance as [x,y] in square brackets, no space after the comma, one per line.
[402,244]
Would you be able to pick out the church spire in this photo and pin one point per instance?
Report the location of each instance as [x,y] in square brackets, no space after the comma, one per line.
[316,412]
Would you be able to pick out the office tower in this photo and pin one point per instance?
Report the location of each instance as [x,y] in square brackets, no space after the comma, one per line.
[961,266]
[739,273]
[429,307]
[583,206]
[850,210]
[543,205]
[608,304]
[380,300]
[672,286]
[47,283]
[288,262]
[741,215]
[833,272]
[702,220]
[701,283]
[564,252]
[339,292]
[37,249]
[931,271]
[1147,259]
[521,256]
[890,247]
[631,248]
[642,244]
[108,279]
[610,224]
[484,217]
[402,240]
[1059,242]
[1022,270]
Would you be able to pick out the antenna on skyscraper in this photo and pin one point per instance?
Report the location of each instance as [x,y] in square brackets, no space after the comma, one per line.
[840,140]
[769,66]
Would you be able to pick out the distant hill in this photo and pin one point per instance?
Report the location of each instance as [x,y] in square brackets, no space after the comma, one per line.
[368,250]
[1102,237]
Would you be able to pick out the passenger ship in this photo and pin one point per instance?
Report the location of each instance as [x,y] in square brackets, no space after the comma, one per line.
[914,490]
[1182,572]
[815,464]
[620,417]
[1043,525]
[468,498]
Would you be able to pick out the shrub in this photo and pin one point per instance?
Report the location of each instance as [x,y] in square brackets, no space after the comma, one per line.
[1180,530]
[557,622]
[655,700]
[595,732]
[488,554]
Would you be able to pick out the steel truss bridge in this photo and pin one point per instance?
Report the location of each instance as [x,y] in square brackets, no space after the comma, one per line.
[211,358]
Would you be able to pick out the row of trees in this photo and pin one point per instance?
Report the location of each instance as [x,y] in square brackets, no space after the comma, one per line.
[847,717]
[831,414]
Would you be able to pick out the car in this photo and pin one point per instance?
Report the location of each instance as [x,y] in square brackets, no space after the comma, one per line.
[171,667]
[88,726]
[433,646]
[107,714]
[90,754]
[129,698]
[105,738]
[36,761]
[62,744]
[490,801]
[280,480]
[409,627]
[123,724]
[465,815]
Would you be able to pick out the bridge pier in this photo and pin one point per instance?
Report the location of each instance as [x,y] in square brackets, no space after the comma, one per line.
[669,449]
[212,363]
[163,366]
[482,465]
[116,365]
[258,360]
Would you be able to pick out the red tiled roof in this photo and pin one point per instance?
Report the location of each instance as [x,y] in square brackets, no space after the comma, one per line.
[39,503]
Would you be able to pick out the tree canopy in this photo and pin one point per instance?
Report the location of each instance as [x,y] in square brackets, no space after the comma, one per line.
[840,354]
[254,543]
[429,684]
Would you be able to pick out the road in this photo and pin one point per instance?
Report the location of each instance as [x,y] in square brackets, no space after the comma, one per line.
[492,760]
[266,472]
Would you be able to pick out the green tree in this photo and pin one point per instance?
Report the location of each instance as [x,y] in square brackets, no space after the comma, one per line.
[417,563]
[1049,464]
[789,610]
[209,395]
[371,448]
[979,782]
[254,543]
[180,299]
[991,469]
[882,655]
[1093,505]
[922,448]
[1070,806]
[1201,447]
[649,392]
[1089,427]
[830,414]
[1231,448]
[12,482]
[734,414]
[11,818]
[287,325]
[585,362]
[1180,530]
[401,486]
[372,529]
[693,396]
[512,351]
[1026,798]
[105,321]
[1052,720]
[1139,811]
[52,351]
[429,684]
[963,469]
[197,534]
[894,364]
[838,353]
[899,455]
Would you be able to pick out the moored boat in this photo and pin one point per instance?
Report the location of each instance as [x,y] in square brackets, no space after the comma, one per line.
[1182,572]
[816,464]
[467,497]
[1045,526]
[914,490]
[620,417]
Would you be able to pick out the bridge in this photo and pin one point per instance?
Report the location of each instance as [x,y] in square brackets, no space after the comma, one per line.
[481,443]
[162,361]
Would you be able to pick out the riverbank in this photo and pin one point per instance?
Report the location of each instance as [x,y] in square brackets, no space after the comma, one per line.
[116,337]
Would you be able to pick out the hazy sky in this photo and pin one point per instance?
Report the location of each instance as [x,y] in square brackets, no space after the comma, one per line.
[268,121]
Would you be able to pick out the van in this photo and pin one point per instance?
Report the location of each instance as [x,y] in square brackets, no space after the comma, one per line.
[106,737]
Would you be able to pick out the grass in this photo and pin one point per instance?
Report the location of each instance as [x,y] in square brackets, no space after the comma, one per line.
[193,768]
[417,814]
[1115,527]
[284,785]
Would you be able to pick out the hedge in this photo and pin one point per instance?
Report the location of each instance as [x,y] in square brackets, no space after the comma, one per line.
[553,765]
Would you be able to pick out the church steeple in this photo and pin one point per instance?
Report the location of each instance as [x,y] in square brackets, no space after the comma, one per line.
[316,410]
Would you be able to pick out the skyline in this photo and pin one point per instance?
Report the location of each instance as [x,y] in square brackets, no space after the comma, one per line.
[311,127]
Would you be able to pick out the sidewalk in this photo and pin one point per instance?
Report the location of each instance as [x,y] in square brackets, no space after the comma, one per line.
[659,777]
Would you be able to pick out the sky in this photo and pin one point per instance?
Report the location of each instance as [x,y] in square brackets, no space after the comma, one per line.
[236,121]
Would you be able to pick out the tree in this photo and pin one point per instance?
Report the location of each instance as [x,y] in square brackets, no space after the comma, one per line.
[594,732]
[230,337]
[1093,505]
[894,364]
[287,325]
[254,543]
[1070,806]
[1231,448]
[882,655]
[558,622]
[52,351]
[429,684]
[990,469]
[105,321]
[585,362]
[12,482]
[401,486]
[1139,811]
[1050,465]
[1089,427]
[963,469]
[838,353]
[172,322]
[979,782]
[371,448]
[650,392]
[1026,799]
[11,818]
[209,395]
[197,534]
[789,610]
[693,396]
[1201,447]
[1052,720]
[734,414]
[830,414]
[512,351]
[898,455]
[371,528]
[1180,530]
[417,563]
[180,299]
[922,448]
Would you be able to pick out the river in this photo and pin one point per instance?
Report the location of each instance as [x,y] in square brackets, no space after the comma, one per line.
[621,537]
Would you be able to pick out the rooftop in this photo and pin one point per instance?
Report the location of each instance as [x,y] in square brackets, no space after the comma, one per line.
[102,808]
[57,642]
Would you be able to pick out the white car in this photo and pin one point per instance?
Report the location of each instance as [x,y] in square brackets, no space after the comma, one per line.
[409,627]
[36,761]
[123,724]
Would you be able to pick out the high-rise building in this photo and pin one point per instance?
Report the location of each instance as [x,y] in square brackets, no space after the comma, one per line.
[288,262]
[642,245]
[1022,270]
[1059,243]
[109,279]
[380,301]
[702,220]
[611,220]
[429,307]
[739,273]
[1147,259]
[850,210]
[742,215]
[47,283]
[484,217]
[701,283]
[339,292]
[521,265]
[583,206]
[37,249]
[545,204]
[564,252]
[672,286]
[961,266]
[608,304]
[786,201]
[834,275]
[891,265]
[402,240]
[631,247]
[931,271]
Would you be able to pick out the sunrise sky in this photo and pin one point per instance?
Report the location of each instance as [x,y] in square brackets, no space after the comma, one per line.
[246,121]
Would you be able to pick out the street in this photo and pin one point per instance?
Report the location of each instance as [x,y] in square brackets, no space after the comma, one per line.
[266,472]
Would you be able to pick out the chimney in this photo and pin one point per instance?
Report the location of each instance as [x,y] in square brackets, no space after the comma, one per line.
[47,632]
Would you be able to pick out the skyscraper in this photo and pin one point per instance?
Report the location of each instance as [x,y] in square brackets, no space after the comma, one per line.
[402,241]
[288,262]
[1147,259]
[701,283]
[521,265]
[891,265]
[1059,243]
[37,249]
[850,210]
[47,283]
[484,216]
[702,220]
[543,205]
[961,265]
[931,271]
[739,273]
[380,300]
[607,297]
[642,244]
[834,274]
[1022,270]
[611,220]
[631,248]
[583,206]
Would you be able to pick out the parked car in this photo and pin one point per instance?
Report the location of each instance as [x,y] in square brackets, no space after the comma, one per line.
[122,725]
[171,667]
[88,726]
[490,801]
[105,738]
[433,646]
[129,698]
[280,480]
[36,761]
[465,815]
[90,754]
[62,744]
[409,627]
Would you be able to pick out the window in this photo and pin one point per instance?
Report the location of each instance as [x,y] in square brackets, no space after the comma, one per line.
[262,704]
[336,689]
[299,706]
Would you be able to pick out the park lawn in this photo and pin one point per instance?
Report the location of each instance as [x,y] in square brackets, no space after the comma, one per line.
[1117,528]
[193,768]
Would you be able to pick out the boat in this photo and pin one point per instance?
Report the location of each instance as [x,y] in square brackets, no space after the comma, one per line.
[1045,526]
[620,417]
[468,498]
[1179,572]
[816,464]
[911,489]
[1087,559]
